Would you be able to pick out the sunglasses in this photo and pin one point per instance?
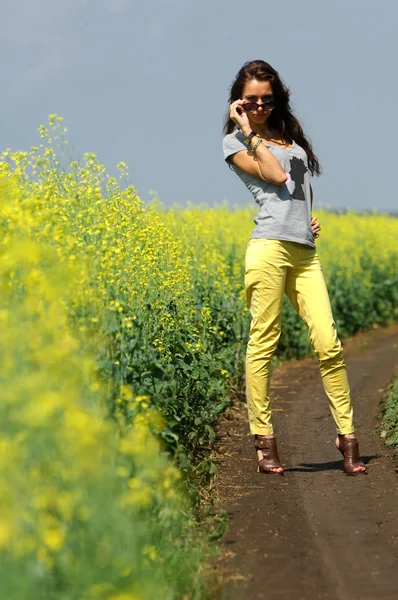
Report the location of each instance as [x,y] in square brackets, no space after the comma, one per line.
[249,106]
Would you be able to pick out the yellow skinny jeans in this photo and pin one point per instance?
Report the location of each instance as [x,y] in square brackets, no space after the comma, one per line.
[273,267]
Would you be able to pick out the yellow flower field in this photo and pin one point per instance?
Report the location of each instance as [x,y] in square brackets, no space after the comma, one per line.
[123,336]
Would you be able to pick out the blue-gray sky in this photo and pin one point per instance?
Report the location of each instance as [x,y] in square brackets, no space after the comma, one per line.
[147,83]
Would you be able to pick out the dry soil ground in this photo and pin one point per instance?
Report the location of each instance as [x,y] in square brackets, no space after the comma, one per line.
[314,533]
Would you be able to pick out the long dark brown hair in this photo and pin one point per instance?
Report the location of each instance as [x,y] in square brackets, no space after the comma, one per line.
[282,118]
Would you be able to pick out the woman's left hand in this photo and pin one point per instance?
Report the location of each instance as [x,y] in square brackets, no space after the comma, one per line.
[315,226]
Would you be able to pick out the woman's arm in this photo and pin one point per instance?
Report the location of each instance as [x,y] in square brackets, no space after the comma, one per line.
[314,220]
[262,164]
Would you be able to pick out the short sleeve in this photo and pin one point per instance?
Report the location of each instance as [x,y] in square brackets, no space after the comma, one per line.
[233,143]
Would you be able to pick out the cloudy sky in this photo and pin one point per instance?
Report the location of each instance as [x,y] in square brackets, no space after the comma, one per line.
[147,83]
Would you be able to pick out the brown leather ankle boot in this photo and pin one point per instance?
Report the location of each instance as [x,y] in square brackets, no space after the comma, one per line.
[349,448]
[269,451]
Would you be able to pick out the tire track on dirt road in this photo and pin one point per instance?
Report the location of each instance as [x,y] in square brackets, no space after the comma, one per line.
[314,533]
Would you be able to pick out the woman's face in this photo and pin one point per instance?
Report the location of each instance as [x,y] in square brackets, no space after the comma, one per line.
[260,92]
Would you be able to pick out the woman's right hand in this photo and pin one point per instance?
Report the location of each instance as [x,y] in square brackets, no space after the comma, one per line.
[242,120]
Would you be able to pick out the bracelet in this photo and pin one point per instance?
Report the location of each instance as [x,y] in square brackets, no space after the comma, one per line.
[256,145]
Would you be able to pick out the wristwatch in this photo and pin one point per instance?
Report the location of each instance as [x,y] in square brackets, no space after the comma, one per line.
[248,138]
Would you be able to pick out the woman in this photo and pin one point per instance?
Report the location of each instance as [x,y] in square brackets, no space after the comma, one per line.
[266,147]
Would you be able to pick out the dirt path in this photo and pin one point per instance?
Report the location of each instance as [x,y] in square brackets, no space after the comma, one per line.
[314,533]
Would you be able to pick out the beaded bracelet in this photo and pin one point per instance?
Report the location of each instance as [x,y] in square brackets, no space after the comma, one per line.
[256,145]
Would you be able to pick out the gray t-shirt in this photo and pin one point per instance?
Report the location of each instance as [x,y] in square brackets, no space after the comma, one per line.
[285,210]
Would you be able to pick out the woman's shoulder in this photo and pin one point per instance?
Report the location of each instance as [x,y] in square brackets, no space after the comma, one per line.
[236,134]
[233,142]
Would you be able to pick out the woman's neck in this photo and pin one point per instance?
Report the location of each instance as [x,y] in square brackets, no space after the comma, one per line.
[265,133]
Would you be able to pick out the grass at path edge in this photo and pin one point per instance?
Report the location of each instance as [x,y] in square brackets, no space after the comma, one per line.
[389,417]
